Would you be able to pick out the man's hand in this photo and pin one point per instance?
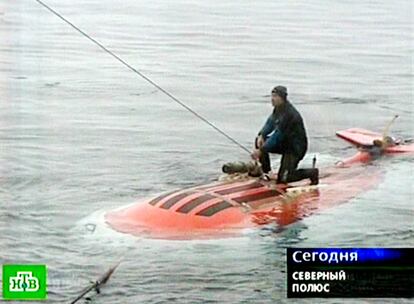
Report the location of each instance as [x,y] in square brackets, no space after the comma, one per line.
[260,141]
[256,154]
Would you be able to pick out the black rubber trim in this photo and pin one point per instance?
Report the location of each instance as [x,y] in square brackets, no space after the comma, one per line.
[213,209]
[158,198]
[174,200]
[239,188]
[256,197]
[194,203]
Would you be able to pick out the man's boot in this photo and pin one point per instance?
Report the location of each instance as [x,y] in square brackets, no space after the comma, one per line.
[312,174]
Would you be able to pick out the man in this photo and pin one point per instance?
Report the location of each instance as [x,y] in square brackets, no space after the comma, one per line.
[379,146]
[284,133]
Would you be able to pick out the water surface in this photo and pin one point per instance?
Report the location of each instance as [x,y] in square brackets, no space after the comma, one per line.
[80,134]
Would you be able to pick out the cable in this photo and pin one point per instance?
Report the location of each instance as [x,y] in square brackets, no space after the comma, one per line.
[143,76]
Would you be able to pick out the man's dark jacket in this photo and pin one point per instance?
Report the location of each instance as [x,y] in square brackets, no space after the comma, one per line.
[284,132]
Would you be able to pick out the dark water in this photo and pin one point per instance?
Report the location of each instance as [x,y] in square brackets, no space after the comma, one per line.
[80,134]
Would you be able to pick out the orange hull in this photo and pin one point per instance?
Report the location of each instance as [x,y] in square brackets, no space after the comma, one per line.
[226,208]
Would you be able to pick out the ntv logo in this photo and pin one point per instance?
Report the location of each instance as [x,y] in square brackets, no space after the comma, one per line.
[23,281]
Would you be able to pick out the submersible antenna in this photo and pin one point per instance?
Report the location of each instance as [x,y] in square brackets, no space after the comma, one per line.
[143,76]
[388,126]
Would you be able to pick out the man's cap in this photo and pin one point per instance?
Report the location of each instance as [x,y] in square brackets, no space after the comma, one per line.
[280,90]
